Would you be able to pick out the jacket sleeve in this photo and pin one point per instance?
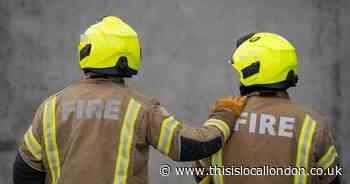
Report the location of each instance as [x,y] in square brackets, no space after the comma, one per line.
[184,143]
[30,150]
[326,153]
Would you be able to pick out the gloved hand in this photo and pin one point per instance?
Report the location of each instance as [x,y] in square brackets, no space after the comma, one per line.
[234,104]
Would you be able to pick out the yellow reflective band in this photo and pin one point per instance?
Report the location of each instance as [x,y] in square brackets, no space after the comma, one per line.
[32,144]
[328,159]
[205,180]
[166,134]
[216,161]
[304,147]
[204,163]
[51,148]
[221,125]
[125,142]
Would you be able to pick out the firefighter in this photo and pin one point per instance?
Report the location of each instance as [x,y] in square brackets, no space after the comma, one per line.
[99,130]
[272,132]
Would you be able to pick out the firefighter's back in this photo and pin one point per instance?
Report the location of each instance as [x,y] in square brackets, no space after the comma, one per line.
[272,133]
[95,128]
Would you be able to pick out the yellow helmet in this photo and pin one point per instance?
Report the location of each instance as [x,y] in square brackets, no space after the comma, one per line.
[110,47]
[265,61]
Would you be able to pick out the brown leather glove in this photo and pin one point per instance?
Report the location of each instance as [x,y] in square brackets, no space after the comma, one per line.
[234,104]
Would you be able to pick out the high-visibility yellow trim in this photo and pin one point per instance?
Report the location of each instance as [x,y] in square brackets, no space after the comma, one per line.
[162,135]
[217,161]
[170,137]
[328,159]
[221,125]
[32,144]
[304,147]
[51,148]
[46,140]
[166,134]
[308,148]
[125,142]
[205,180]
[331,161]
[204,163]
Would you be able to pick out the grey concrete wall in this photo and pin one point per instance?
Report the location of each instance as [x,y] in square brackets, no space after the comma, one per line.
[185,44]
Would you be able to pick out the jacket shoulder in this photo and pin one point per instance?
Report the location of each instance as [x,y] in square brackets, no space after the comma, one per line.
[316,115]
[146,101]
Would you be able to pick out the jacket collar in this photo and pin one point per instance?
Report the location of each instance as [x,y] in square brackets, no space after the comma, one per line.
[278,94]
[117,80]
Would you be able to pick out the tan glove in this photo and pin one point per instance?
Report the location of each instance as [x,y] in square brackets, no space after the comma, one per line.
[234,104]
